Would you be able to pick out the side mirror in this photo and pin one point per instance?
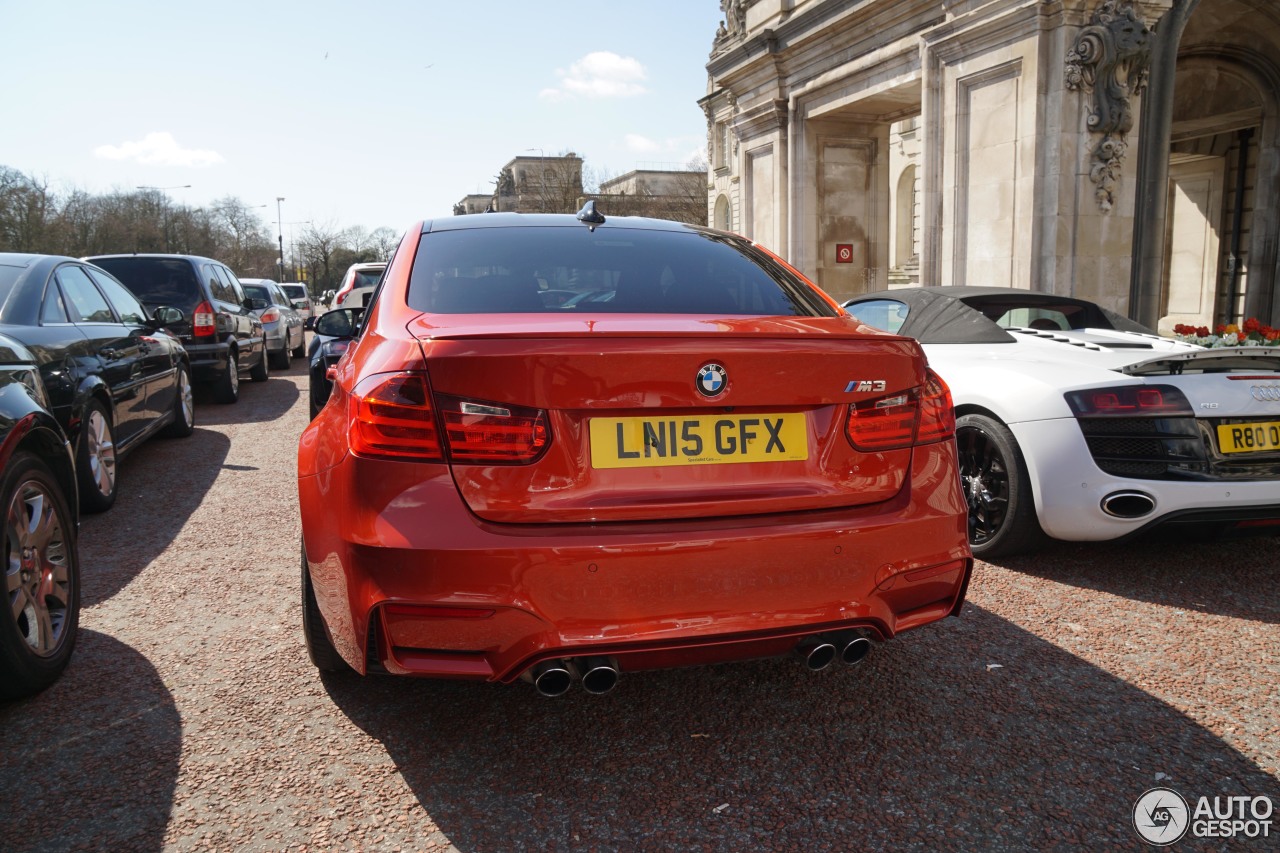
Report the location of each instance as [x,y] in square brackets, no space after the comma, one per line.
[166,315]
[339,323]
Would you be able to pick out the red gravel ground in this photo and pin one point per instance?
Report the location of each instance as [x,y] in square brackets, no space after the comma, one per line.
[190,718]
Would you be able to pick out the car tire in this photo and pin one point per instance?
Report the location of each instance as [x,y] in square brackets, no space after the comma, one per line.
[41,615]
[300,351]
[96,470]
[993,475]
[226,388]
[259,372]
[184,410]
[319,645]
[280,360]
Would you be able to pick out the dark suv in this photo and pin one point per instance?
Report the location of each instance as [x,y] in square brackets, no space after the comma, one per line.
[218,328]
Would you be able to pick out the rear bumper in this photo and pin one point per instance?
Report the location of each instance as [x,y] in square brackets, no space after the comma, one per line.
[208,361]
[408,579]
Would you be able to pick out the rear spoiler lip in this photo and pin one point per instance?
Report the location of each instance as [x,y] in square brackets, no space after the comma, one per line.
[1222,359]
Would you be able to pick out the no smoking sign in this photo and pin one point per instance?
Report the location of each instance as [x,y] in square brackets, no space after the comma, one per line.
[844,253]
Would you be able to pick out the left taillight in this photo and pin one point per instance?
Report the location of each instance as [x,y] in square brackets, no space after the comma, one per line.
[483,432]
[390,416]
[271,315]
[395,416]
[917,416]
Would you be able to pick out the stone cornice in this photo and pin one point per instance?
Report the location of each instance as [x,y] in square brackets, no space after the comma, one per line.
[762,118]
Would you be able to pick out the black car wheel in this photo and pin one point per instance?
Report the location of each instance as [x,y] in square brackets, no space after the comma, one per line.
[42,579]
[258,373]
[300,351]
[319,646]
[184,410]
[226,388]
[1002,513]
[96,459]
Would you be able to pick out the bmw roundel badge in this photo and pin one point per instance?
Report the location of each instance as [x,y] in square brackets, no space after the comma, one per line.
[712,379]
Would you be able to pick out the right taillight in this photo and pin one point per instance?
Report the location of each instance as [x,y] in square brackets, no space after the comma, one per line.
[203,321]
[1128,401]
[391,416]
[917,416]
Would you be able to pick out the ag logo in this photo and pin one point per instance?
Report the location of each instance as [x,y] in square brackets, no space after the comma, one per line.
[711,380]
[1161,816]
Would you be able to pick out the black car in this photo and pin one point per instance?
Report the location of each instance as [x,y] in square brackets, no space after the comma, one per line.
[114,376]
[41,610]
[218,328]
[333,333]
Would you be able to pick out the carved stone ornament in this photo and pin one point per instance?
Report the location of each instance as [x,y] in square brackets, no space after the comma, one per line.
[1112,58]
[734,26]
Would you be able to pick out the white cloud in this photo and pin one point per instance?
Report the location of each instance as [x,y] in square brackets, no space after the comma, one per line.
[641,144]
[601,74]
[158,149]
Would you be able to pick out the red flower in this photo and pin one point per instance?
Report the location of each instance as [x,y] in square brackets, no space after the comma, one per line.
[1202,331]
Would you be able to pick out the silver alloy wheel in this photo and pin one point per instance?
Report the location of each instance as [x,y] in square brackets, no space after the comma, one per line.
[102,452]
[233,373]
[186,401]
[37,573]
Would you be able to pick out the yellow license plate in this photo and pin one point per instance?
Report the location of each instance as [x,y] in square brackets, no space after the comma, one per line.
[1249,438]
[698,440]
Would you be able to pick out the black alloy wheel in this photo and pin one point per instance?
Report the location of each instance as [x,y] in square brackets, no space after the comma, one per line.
[226,388]
[184,410]
[258,373]
[1002,513]
[96,459]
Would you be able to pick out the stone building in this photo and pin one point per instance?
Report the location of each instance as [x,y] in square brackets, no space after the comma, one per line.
[532,185]
[678,194]
[1126,151]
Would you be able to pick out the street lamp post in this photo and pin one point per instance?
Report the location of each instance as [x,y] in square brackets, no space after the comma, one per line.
[280,232]
[164,211]
[293,249]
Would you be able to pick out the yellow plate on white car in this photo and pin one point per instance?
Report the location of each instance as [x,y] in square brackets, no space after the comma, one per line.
[1249,438]
[698,440]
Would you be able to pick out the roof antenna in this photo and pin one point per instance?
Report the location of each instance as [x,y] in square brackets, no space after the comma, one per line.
[590,215]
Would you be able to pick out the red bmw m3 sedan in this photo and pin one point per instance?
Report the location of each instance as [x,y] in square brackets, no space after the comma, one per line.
[563,448]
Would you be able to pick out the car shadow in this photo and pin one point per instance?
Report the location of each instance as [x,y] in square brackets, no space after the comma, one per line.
[252,405]
[1207,577]
[163,481]
[924,746]
[100,769]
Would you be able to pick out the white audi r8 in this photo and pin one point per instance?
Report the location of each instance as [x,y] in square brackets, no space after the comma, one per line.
[1076,423]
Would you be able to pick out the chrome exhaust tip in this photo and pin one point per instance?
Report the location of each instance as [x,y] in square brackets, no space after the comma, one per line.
[816,653]
[599,675]
[852,646]
[1128,504]
[552,678]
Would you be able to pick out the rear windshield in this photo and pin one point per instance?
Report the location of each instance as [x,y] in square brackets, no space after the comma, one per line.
[609,270]
[256,291]
[293,291]
[156,281]
[365,279]
[8,278]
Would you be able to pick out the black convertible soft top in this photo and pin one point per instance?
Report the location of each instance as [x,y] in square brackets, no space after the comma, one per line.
[968,315]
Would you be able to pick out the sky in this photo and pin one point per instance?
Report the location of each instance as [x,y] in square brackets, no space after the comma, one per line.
[371,113]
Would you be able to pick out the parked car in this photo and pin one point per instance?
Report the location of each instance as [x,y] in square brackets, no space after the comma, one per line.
[114,374]
[41,562]
[218,327]
[1078,423]
[716,464]
[358,284]
[301,300]
[282,325]
[333,333]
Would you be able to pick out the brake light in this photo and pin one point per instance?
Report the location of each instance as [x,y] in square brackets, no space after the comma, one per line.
[391,417]
[271,315]
[918,416]
[885,424]
[493,432]
[1127,401]
[342,295]
[937,414]
[202,320]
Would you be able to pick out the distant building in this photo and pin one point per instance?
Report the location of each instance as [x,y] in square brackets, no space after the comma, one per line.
[1122,151]
[532,185]
[679,194]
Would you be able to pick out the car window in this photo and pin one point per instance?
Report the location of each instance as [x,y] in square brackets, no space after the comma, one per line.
[54,310]
[257,291]
[886,314]
[126,304]
[218,287]
[668,272]
[231,290]
[294,291]
[87,301]
[1034,318]
[156,281]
